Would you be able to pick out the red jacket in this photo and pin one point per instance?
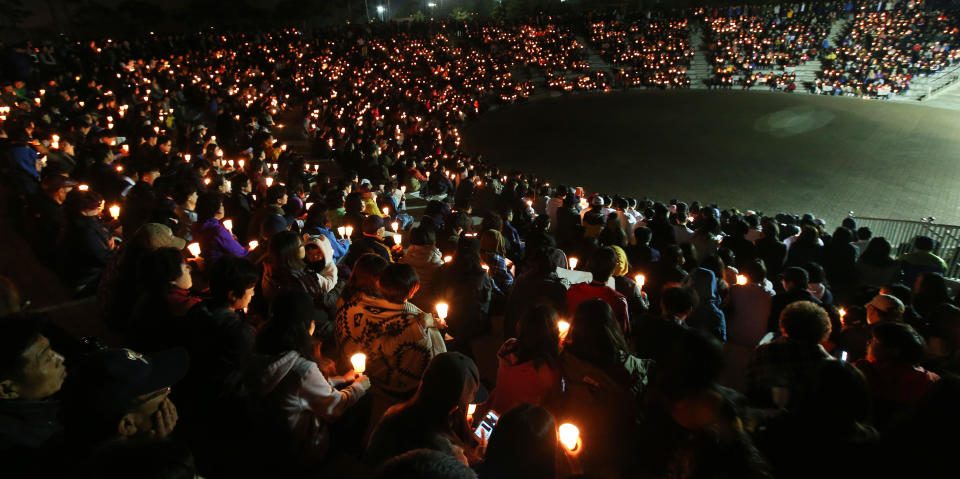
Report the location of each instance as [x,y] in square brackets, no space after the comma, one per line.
[579,293]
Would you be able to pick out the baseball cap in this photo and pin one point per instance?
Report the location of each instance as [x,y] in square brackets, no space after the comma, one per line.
[886,303]
[110,380]
[55,182]
[596,200]
[155,235]
[371,224]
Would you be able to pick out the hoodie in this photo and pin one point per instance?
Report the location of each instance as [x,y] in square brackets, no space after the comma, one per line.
[293,386]
[426,261]
[707,316]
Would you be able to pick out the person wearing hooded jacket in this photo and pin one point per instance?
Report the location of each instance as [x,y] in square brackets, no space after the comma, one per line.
[292,391]
[707,316]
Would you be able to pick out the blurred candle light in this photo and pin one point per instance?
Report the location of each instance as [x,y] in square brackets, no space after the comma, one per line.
[115,211]
[228,224]
[741,279]
[573,263]
[359,362]
[194,249]
[447,259]
[563,327]
[349,231]
[397,238]
[395,226]
[253,245]
[83,187]
[570,437]
[269,182]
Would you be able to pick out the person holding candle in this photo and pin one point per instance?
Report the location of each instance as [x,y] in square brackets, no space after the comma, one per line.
[273,204]
[286,270]
[637,303]
[163,300]
[493,253]
[435,417]
[318,223]
[539,284]
[215,241]
[370,241]
[425,258]
[469,290]
[294,395]
[86,247]
[523,446]
[398,338]
[602,265]
[603,381]
[747,311]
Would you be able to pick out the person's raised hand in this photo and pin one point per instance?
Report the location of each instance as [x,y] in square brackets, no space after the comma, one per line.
[165,419]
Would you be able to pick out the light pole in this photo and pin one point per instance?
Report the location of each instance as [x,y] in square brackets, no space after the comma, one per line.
[381,9]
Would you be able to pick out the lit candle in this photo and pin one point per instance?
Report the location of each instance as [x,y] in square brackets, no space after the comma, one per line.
[397,238]
[349,230]
[471,409]
[359,362]
[240,162]
[253,245]
[186,157]
[485,268]
[442,310]
[228,224]
[395,226]
[206,181]
[115,211]
[563,327]
[342,231]
[447,259]
[573,263]
[741,279]
[194,249]
[83,187]
[269,182]
[309,204]
[569,437]
[842,312]
[403,189]
[386,211]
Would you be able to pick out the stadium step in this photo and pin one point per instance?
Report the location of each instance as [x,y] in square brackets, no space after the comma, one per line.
[700,70]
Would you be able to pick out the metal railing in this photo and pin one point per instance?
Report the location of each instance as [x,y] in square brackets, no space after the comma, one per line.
[944,79]
[901,233]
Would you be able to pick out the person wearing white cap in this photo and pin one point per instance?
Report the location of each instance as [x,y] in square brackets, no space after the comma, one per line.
[883,308]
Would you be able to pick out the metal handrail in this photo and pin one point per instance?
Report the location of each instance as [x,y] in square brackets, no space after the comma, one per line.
[901,233]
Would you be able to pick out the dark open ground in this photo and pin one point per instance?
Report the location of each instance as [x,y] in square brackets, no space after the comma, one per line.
[750,150]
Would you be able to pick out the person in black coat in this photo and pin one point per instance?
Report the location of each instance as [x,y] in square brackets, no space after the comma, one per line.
[795,282]
[87,246]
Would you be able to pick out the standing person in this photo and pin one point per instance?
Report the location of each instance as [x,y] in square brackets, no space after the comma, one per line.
[214,238]
[294,396]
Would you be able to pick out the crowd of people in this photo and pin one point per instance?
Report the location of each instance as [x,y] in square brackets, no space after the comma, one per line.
[274,319]
[647,52]
[884,49]
[750,39]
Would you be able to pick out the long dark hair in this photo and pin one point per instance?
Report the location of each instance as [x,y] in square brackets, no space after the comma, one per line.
[466,262]
[285,251]
[363,278]
[288,329]
[877,252]
[538,338]
[595,336]
[522,446]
